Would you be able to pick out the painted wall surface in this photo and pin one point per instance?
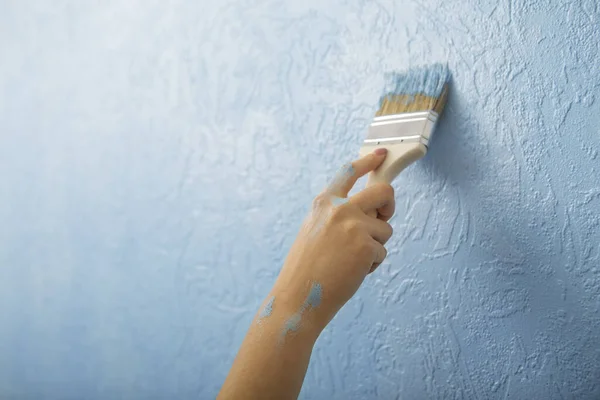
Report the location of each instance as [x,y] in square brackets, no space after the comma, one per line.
[157,158]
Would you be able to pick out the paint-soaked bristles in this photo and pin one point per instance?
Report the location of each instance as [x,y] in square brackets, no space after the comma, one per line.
[418,89]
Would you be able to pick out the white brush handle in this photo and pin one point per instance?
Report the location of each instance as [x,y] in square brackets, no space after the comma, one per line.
[399,156]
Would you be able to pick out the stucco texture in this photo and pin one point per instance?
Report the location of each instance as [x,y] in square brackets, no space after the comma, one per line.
[157,158]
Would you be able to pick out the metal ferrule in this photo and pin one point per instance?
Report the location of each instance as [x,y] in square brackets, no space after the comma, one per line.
[415,127]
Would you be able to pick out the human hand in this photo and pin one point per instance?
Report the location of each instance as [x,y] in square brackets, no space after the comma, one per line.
[338,245]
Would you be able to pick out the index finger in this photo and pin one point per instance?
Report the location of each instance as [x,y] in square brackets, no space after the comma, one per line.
[346,177]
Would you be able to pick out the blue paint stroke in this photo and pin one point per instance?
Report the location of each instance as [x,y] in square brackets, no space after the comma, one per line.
[428,80]
[268,308]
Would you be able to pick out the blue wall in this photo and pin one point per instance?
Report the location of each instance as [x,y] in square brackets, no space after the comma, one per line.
[157,158]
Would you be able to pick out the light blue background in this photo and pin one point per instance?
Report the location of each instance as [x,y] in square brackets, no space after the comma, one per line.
[157,158]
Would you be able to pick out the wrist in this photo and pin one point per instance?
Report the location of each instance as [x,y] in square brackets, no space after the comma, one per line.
[299,317]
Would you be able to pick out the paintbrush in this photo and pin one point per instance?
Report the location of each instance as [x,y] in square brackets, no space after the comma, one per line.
[410,106]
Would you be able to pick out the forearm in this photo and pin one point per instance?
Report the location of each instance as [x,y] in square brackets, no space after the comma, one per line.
[274,356]
[337,246]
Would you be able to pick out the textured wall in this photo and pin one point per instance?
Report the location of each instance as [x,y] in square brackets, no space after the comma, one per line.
[157,158]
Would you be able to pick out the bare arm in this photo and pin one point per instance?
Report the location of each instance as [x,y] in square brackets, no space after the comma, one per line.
[336,248]
[271,363]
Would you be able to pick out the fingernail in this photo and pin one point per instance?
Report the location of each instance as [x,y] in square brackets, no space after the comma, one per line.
[380,152]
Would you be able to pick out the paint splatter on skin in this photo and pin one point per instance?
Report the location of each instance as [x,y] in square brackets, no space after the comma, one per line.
[320,214]
[318,217]
[293,323]
[338,201]
[268,308]
[313,300]
[340,178]
[314,297]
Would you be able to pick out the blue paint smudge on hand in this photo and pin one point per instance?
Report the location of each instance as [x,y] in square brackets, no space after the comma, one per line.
[320,211]
[338,201]
[341,177]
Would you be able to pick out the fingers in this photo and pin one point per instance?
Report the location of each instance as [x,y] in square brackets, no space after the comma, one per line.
[373,268]
[378,197]
[380,254]
[347,176]
[379,230]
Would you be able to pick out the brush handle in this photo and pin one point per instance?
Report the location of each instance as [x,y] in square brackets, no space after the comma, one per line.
[399,156]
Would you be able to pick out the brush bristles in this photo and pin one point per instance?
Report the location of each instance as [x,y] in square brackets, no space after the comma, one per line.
[419,89]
